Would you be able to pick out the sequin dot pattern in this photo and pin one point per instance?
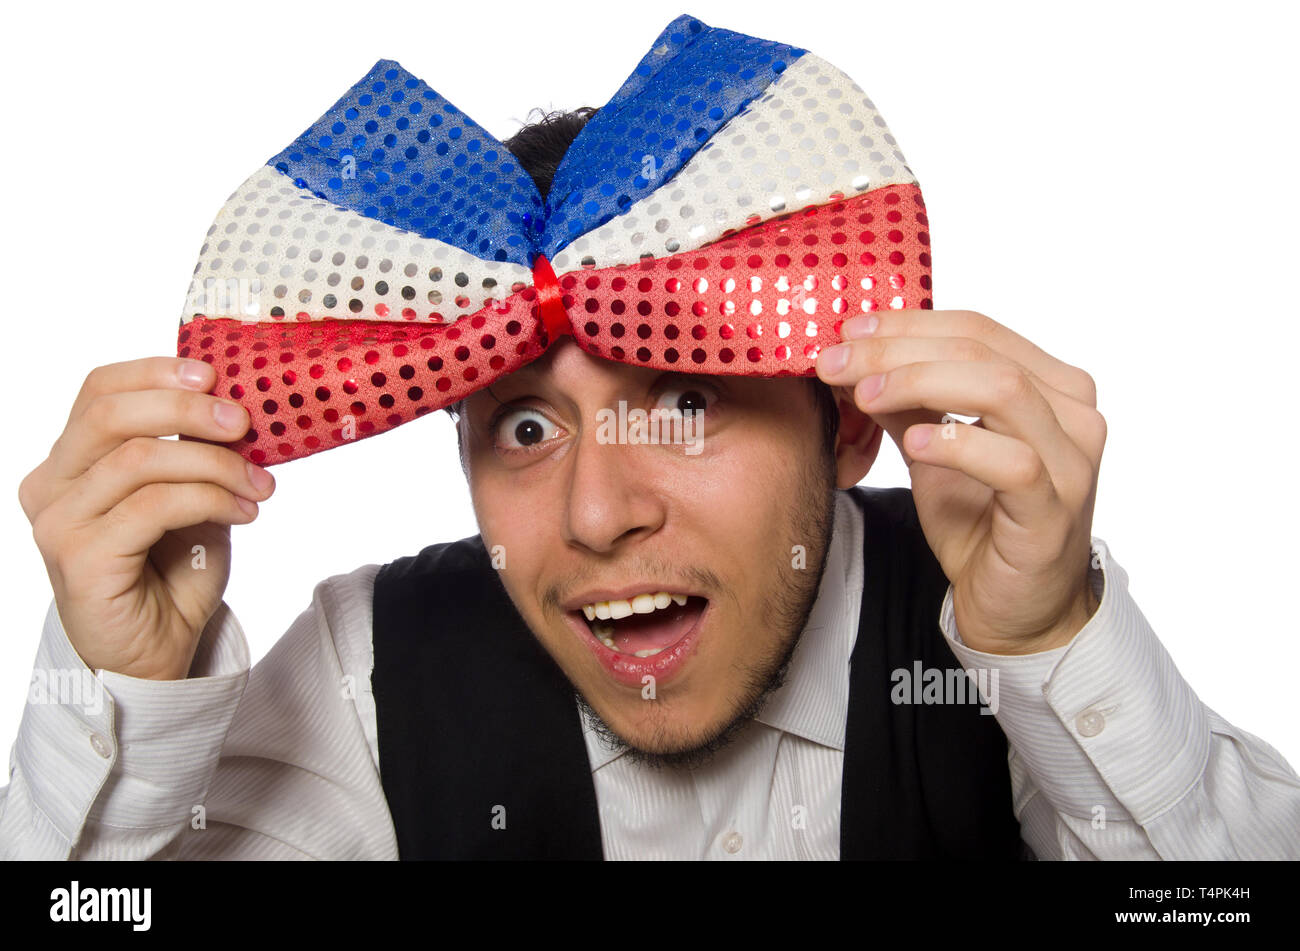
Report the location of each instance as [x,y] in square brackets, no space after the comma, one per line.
[734,202]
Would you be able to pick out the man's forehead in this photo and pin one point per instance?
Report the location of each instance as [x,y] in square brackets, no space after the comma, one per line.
[563,373]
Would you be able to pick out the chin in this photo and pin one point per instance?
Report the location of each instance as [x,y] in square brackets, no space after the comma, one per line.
[664,726]
[676,733]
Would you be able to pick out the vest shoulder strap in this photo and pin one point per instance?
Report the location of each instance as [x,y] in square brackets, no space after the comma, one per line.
[920,780]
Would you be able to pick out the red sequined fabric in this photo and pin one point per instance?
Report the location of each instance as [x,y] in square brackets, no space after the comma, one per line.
[759,302]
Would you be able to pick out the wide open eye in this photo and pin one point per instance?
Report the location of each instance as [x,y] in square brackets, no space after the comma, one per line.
[687,396]
[523,428]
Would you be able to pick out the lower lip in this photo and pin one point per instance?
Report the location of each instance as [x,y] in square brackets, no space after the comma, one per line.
[631,670]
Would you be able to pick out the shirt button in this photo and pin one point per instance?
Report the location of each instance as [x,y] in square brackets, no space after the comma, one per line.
[1089,723]
[733,842]
[100,745]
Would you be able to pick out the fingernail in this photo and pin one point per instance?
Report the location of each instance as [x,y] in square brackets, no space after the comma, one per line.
[228,415]
[247,505]
[919,438]
[261,479]
[856,327]
[193,373]
[870,386]
[833,359]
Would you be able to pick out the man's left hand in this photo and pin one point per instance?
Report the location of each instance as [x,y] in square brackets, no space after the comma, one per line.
[1005,502]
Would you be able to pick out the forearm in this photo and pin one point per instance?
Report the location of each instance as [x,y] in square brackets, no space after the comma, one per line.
[1114,755]
[110,767]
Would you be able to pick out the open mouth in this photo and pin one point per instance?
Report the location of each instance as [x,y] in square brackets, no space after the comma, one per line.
[644,625]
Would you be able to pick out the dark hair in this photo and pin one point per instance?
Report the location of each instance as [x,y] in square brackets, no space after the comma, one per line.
[539,147]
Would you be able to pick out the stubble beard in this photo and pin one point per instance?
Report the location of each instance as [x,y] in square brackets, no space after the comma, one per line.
[789,605]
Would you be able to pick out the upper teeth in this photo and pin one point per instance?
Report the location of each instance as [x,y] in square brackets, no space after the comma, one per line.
[641,604]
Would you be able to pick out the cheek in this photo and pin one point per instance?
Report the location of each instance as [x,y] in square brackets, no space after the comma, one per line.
[744,488]
[506,544]
[740,513]
[516,541]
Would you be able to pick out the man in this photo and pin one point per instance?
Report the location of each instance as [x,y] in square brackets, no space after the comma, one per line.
[744,687]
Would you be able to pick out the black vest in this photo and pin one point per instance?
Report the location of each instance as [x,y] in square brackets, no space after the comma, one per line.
[473,715]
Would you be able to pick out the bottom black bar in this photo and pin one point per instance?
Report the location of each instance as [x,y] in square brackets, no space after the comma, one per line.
[334,899]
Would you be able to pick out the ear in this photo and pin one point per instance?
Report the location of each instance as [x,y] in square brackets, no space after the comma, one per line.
[857,443]
[461,424]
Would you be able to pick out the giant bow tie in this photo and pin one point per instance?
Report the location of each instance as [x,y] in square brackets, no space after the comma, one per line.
[733,202]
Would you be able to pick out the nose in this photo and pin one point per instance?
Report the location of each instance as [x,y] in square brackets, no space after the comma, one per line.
[611,500]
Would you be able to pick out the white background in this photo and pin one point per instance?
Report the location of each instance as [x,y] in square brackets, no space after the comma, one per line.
[1115,181]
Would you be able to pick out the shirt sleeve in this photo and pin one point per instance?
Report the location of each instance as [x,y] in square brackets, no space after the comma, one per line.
[274,762]
[1112,754]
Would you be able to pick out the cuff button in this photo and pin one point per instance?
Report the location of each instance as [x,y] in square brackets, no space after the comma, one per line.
[100,745]
[1090,723]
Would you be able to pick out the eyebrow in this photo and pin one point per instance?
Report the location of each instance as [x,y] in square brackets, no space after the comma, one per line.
[526,375]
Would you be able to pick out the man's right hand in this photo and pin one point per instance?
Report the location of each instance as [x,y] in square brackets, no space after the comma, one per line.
[117,513]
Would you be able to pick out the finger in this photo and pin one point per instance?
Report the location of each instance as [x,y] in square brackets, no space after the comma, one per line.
[846,363]
[874,354]
[871,355]
[135,524]
[1068,379]
[43,483]
[999,393]
[1009,466]
[110,419]
[146,373]
[143,459]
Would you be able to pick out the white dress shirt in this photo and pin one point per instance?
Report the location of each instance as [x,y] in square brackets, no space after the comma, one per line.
[1111,754]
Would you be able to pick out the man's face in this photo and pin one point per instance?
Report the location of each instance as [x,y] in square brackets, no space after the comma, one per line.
[739,526]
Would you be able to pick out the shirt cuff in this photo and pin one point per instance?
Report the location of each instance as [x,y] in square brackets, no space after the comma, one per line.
[1104,721]
[125,751]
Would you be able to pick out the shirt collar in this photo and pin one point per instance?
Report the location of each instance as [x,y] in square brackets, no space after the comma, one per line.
[813,702]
